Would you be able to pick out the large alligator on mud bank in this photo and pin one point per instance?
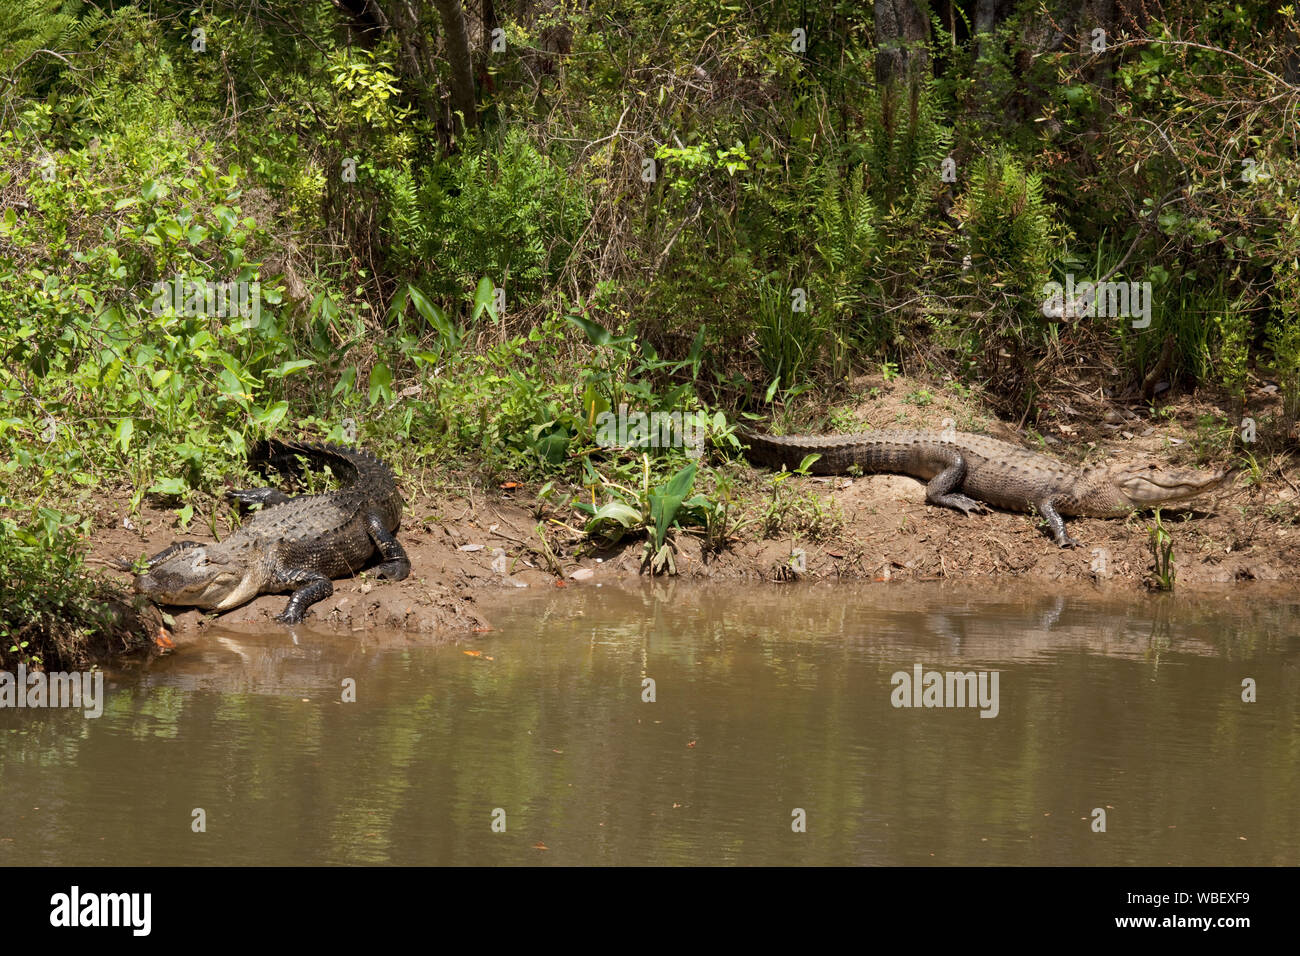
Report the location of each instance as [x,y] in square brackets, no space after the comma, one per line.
[967,471]
[296,544]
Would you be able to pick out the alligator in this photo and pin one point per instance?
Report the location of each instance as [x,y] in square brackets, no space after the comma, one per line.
[293,543]
[967,472]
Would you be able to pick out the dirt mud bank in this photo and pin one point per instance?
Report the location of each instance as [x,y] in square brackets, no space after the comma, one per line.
[471,550]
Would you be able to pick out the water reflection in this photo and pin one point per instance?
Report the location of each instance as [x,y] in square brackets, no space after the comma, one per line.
[769,703]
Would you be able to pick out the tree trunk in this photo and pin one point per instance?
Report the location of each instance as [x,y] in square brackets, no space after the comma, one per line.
[411,24]
[463,99]
[902,32]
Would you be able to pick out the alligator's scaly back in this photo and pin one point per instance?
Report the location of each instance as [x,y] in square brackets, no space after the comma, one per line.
[292,543]
[965,470]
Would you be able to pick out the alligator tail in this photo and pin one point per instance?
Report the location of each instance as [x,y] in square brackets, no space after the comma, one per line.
[351,465]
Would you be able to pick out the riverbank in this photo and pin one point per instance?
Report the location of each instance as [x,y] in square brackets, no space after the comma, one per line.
[884,531]
[466,543]
[471,539]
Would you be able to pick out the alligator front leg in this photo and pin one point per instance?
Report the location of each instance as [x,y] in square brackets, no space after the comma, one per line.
[396,564]
[311,586]
[1054,521]
[942,489]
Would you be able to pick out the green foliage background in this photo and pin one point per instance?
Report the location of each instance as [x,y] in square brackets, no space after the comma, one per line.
[677,174]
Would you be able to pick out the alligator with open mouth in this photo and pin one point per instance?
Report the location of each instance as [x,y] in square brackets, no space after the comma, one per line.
[293,543]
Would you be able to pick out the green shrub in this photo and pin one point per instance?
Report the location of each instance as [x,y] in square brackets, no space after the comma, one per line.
[53,612]
[508,212]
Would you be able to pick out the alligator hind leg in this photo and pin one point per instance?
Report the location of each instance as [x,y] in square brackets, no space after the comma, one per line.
[396,564]
[942,489]
[256,496]
[312,586]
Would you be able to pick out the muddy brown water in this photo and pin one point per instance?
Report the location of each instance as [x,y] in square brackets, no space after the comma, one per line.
[772,706]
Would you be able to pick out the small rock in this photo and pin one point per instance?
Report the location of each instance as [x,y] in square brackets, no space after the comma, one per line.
[582,574]
[470,547]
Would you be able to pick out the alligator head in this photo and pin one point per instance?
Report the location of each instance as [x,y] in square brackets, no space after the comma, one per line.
[1139,485]
[209,576]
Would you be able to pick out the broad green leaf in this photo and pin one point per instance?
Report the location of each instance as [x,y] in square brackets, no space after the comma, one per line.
[593,403]
[597,333]
[288,368]
[426,356]
[270,417]
[446,329]
[697,350]
[397,307]
[551,442]
[346,381]
[624,515]
[125,429]
[381,380]
[806,463]
[666,501]
[485,300]
[169,486]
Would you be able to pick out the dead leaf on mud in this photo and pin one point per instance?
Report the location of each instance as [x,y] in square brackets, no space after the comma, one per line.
[470,547]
